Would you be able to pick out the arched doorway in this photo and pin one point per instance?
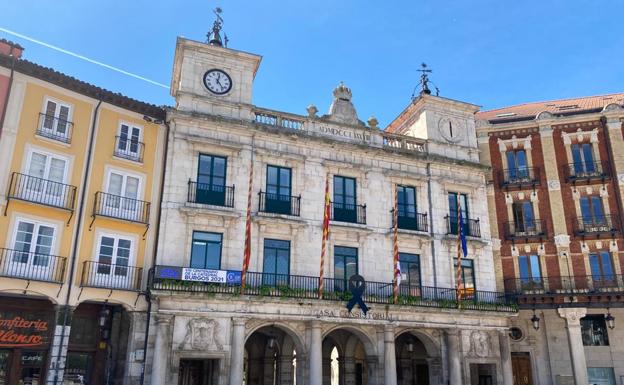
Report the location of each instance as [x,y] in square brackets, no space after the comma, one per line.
[346,359]
[271,358]
[412,360]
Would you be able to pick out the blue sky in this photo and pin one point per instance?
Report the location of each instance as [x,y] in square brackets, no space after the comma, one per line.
[490,53]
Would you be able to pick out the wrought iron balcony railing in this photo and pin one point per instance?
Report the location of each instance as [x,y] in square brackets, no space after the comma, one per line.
[32,266]
[279,204]
[526,230]
[518,177]
[471,227]
[115,206]
[596,226]
[108,276]
[210,194]
[43,191]
[564,285]
[306,287]
[586,171]
[409,219]
[128,148]
[345,212]
[55,128]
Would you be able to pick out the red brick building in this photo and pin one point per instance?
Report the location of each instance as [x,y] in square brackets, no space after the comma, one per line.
[556,210]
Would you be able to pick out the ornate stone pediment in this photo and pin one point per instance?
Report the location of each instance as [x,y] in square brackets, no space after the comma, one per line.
[480,344]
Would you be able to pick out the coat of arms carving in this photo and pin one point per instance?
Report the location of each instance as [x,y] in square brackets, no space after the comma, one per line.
[202,334]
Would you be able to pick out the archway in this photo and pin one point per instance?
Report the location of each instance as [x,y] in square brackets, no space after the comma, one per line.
[271,358]
[348,358]
[412,360]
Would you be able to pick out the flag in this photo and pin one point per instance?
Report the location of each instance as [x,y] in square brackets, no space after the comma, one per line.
[395,247]
[247,253]
[325,237]
[462,249]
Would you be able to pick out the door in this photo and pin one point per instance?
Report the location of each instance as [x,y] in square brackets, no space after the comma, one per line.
[32,368]
[211,180]
[406,205]
[198,372]
[517,164]
[592,213]
[602,270]
[113,259]
[410,274]
[524,219]
[453,199]
[32,245]
[122,199]
[276,266]
[278,196]
[583,159]
[128,144]
[345,199]
[56,120]
[46,177]
[345,266]
[521,368]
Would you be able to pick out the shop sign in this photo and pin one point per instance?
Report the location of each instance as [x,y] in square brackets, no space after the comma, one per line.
[198,275]
[20,332]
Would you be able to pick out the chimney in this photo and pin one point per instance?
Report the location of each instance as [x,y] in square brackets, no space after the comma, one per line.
[8,47]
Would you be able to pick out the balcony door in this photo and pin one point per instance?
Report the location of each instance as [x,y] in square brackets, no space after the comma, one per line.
[128,143]
[468,283]
[530,271]
[122,199]
[406,205]
[32,245]
[345,266]
[345,199]
[524,220]
[276,266]
[583,159]
[517,165]
[113,259]
[602,271]
[454,199]
[410,274]
[55,120]
[46,177]
[211,180]
[278,185]
[592,213]
[206,250]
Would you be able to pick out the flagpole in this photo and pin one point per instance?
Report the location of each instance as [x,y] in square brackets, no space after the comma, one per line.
[247,253]
[459,253]
[395,217]
[325,236]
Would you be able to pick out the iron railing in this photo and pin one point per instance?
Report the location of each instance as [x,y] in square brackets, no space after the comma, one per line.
[43,191]
[32,266]
[606,224]
[109,276]
[345,212]
[525,230]
[120,207]
[409,219]
[279,204]
[55,128]
[307,287]
[471,227]
[589,284]
[586,171]
[517,177]
[128,148]
[208,194]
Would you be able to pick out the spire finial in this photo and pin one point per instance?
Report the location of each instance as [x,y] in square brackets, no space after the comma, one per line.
[214,37]
[424,81]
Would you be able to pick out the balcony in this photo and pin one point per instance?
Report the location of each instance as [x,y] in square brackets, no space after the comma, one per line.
[107,276]
[279,204]
[32,266]
[42,191]
[349,213]
[519,177]
[566,285]
[119,207]
[528,230]
[471,227]
[586,172]
[207,194]
[306,287]
[129,149]
[597,226]
[54,128]
[411,220]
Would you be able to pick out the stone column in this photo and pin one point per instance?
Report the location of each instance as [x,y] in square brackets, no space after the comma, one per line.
[452,342]
[58,347]
[237,351]
[316,354]
[505,354]
[390,372]
[162,345]
[573,317]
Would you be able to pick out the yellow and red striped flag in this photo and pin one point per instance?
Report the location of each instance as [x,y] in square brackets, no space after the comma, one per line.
[395,247]
[326,215]
[462,251]
[247,253]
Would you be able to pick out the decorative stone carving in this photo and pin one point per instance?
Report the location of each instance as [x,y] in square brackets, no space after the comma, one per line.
[342,109]
[562,240]
[544,115]
[514,251]
[611,107]
[541,250]
[613,247]
[554,185]
[620,178]
[527,248]
[604,192]
[312,110]
[572,315]
[508,199]
[480,344]
[598,244]
[451,129]
[533,196]
[202,334]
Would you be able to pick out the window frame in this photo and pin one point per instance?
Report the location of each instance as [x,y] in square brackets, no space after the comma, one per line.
[405,270]
[130,126]
[463,272]
[211,184]
[49,155]
[603,338]
[343,205]
[279,186]
[264,255]
[357,261]
[125,174]
[582,154]
[406,212]
[532,260]
[116,237]
[59,103]
[205,254]
[600,257]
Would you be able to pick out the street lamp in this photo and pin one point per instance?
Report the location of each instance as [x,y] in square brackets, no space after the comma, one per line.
[535,320]
[610,320]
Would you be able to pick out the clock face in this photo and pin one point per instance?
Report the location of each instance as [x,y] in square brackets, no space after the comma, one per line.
[218,82]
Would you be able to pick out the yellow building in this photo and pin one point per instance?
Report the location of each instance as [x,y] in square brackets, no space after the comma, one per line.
[80,184]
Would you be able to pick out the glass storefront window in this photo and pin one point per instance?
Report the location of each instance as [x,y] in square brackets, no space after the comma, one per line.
[78,368]
[5,361]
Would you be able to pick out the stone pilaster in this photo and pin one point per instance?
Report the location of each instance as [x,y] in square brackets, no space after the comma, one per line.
[454,357]
[390,372]
[505,354]
[162,346]
[573,317]
[60,341]
[237,351]
[316,354]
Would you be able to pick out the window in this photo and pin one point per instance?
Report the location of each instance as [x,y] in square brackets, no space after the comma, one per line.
[345,265]
[33,243]
[524,219]
[406,197]
[530,271]
[468,283]
[114,253]
[206,250]
[601,267]
[55,121]
[453,199]
[211,179]
[583,159]
[594,330]
[410,272]
[129,142]
[592,211]
[276,266]
[123,192]
[601,376]
[278,185]
[345,199]
[517,165]
[47,173]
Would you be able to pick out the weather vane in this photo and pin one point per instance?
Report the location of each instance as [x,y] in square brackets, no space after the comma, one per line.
[214,37]
[424,81]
